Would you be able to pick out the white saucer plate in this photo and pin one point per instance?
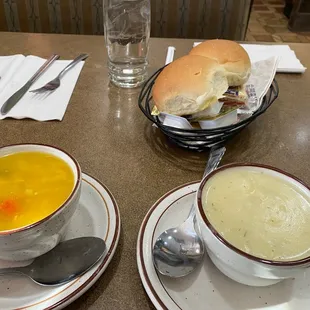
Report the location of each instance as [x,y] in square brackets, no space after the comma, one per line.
[97,215]
[206,288]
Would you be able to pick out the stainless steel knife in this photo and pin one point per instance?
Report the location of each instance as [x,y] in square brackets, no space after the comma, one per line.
[11,102]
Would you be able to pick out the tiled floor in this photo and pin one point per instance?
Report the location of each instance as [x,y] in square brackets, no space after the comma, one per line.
[268,24]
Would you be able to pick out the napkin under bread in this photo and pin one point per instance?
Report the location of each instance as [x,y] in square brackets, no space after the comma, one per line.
[288,62]
[16,70]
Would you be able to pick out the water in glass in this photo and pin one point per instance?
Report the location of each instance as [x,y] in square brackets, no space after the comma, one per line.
[127,33]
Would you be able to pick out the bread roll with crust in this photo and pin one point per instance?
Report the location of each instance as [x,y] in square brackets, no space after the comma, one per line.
[231,55]
[189,85]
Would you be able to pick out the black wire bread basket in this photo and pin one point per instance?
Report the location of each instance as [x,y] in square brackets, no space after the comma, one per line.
[200,139]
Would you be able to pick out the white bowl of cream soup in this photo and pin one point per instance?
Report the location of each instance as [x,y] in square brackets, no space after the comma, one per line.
[255,222]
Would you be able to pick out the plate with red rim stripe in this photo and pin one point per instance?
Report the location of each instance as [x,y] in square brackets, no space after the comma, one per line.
[97,215]
[206,288]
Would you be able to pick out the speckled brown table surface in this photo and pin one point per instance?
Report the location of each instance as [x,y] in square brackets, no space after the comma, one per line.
[105,130]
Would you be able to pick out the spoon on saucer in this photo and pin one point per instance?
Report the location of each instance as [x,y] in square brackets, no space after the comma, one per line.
[65,262]
[178,251]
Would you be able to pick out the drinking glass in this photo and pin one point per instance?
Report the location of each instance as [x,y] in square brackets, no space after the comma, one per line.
[127,33]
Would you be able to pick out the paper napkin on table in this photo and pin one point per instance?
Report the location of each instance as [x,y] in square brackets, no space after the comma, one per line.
[16,70]
[288,62]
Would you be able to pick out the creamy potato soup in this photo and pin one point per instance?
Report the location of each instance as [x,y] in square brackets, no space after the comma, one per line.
[32,186]
[259,212]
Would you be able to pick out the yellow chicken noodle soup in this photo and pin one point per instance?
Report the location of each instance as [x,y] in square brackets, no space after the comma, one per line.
[259,212]
[32,186]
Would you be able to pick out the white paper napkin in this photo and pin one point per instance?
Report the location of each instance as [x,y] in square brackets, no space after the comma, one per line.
[16,70]
[288,62]
[170,54]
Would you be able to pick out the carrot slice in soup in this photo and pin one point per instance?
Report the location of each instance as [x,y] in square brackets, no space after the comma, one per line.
[9,207]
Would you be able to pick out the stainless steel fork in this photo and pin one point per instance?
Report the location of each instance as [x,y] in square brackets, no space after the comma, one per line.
[55,83]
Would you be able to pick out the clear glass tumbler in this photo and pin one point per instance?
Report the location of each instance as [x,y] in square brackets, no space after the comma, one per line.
[127,33]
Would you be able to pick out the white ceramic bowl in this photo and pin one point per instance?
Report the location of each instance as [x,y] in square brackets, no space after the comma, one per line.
[38,238]
[236,264]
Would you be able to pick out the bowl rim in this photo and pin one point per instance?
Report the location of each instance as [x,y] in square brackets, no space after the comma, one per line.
[63,205]
[223,240]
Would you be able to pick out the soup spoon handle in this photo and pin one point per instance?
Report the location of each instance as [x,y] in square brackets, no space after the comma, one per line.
[215,158]
[216,155]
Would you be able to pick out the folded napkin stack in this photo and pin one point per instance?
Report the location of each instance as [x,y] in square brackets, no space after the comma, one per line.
[288,62]
[16,70]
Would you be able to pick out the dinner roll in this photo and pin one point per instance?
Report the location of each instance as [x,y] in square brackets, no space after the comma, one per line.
[189,85]
[231,55]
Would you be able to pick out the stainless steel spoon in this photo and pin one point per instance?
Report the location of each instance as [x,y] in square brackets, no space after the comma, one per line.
[68,260]
[179,250]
